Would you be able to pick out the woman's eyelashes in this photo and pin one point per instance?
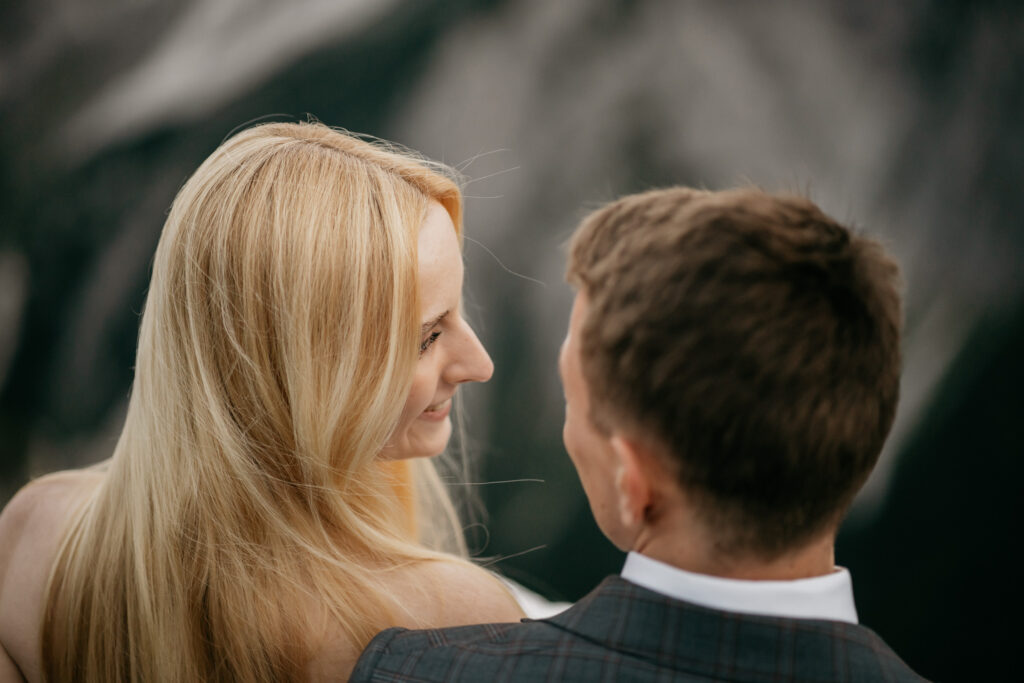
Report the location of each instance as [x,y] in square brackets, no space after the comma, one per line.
[426,343]
[432,337]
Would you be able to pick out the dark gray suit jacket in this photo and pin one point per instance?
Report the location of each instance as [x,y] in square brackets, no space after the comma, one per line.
[622,632]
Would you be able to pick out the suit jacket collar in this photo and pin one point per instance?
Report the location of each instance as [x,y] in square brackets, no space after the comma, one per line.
[679,635]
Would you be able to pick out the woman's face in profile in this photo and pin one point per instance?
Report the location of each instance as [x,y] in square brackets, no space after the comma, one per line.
[450,352]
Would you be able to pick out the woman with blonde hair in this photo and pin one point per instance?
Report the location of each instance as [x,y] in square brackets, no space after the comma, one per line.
[270,504]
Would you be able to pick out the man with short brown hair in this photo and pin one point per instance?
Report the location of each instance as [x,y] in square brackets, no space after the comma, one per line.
[731,372]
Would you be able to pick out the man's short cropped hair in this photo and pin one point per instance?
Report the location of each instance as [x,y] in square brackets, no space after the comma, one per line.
[755,339]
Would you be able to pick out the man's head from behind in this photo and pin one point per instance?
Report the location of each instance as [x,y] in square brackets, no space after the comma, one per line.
[750,340]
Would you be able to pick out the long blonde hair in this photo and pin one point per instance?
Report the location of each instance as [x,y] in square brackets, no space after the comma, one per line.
[276,350]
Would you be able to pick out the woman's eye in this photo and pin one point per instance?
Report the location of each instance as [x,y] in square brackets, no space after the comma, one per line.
[425,344]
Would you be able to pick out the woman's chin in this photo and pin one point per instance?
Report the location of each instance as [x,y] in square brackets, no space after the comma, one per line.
[425,438]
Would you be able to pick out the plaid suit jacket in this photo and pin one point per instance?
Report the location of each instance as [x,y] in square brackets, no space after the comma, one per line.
[622,632]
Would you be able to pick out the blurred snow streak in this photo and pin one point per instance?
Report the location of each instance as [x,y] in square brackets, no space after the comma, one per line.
[211,54]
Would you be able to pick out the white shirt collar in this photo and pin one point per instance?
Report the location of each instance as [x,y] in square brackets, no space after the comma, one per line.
[820,597]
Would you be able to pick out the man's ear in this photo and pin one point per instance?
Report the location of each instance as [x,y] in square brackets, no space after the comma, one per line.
[631,481]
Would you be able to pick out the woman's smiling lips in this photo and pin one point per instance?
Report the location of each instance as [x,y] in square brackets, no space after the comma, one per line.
[438,411]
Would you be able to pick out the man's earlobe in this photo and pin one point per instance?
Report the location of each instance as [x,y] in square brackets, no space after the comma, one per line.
[631,485]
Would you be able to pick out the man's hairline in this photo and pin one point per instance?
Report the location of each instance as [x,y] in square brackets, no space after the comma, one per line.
[632,428]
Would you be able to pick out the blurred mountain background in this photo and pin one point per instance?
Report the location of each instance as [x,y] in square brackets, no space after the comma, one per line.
[902,118]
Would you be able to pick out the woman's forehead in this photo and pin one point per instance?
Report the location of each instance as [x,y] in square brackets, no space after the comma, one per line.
[440,263]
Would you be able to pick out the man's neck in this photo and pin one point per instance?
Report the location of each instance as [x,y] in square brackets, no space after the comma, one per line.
[701,556]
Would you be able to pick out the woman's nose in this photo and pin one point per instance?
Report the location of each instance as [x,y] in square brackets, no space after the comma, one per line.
[470,361]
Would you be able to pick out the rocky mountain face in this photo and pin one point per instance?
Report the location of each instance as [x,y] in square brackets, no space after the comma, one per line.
[903,118]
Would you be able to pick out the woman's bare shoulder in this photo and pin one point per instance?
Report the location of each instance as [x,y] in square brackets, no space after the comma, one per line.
[40,505]
[428,594]
[454,592]
[31,527]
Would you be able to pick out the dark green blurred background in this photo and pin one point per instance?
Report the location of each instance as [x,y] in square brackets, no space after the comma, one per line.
[903,118]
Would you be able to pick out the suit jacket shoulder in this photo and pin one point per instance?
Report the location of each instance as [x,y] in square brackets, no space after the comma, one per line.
[621,631]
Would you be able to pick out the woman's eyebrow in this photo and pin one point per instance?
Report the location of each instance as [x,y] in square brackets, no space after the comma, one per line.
[430,323]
